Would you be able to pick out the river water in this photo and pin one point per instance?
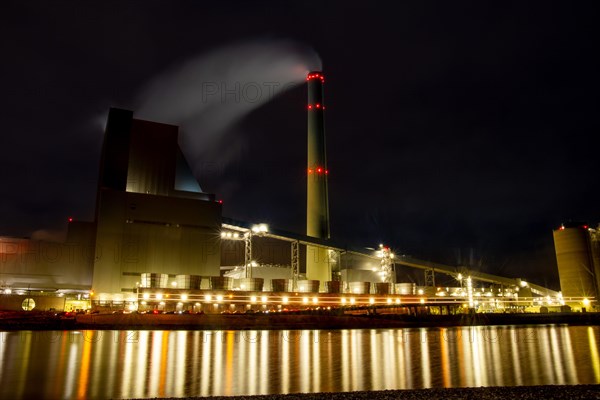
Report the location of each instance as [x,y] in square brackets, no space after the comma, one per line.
[125,364]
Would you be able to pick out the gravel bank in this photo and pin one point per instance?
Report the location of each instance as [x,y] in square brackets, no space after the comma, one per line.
[558,392]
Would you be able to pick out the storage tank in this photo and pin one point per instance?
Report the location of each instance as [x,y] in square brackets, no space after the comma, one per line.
[154,280]
[406,288]
[574,260]
[251,284]
[308,286]
[188,281]
[382,287]
[333,287]
[221,283]
[282,285]
[359,287]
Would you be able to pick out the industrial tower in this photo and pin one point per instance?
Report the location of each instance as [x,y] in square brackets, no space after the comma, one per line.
[317,206]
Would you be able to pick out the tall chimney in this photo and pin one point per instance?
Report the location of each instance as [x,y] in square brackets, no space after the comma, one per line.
[317,206]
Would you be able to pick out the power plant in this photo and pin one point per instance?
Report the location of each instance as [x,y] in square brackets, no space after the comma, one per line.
[158,242]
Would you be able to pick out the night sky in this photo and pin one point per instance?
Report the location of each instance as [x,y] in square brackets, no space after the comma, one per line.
[457,132]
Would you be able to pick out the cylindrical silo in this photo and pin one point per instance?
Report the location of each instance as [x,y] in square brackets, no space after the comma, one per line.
[574,260]
[308,286]
[154,280]
[359,287]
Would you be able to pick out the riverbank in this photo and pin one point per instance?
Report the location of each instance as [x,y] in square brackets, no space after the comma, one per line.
[50,321]
[547,392]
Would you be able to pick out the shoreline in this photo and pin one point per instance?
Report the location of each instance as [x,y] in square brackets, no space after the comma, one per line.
[44,321]
[546,392]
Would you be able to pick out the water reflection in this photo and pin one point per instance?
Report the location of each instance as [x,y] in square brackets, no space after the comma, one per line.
[102,364]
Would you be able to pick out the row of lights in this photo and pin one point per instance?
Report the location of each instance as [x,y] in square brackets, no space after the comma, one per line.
[231,235]
[316,76]
[318,170]
[284,300]
[316,106]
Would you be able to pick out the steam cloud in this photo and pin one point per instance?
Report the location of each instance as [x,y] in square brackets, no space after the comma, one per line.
[210,93]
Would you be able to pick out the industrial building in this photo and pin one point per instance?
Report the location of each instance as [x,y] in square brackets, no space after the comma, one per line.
[159,242]
[577,248]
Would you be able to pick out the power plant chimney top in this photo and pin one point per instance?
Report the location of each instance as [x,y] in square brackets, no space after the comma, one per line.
[316,75]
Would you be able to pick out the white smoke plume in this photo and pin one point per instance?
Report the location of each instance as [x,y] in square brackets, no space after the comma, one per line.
[207,95]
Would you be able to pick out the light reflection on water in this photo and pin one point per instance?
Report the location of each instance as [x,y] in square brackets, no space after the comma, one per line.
[118,364]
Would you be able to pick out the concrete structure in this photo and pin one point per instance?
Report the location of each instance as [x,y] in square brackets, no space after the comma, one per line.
[317,203]
[151,215]
[577,270]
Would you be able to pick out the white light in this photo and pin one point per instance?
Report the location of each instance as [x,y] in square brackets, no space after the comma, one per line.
[144,303]
[174,283]
[459,277]
[236,235]
[420,291]
[397,301]
[315,300]
[352,300]
[305,300]
[285,300]
[422,301]
[162,303]
[343,300]
[184,297]
[223,234]
[208,297]
[586,302]
[158,296]
[263,299]
[220,297]
[389,301]
[523,284]
[253,299]
[229,235]
[371,300]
